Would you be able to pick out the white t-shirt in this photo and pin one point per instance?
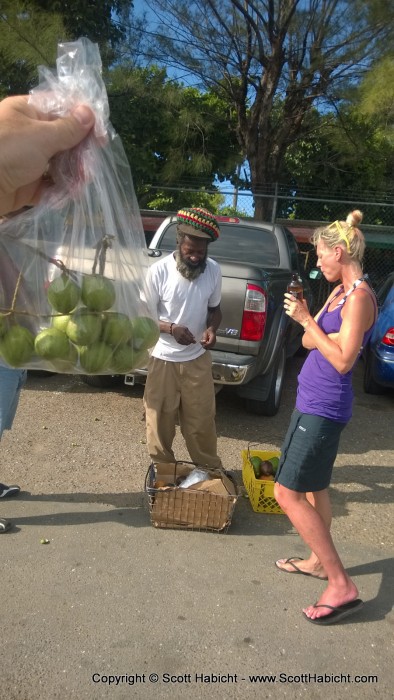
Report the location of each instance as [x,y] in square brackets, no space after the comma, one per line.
[183,302]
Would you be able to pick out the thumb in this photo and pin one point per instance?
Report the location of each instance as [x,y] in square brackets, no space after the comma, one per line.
[68,131]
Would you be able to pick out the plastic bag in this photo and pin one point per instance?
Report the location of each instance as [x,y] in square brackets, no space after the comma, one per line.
[73,293]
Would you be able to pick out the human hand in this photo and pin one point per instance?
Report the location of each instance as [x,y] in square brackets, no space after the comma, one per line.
[28,140]
[208,339]
[182,335]
[297,309]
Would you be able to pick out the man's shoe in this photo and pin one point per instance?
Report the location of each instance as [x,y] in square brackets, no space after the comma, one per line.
[8,491]
[5,525]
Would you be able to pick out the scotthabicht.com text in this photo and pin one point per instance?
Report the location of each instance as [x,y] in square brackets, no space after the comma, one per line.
[231,678]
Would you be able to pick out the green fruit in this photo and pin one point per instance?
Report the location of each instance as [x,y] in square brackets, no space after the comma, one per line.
[51,344]
[125,359]
[3,324]
[98,292]
[83,327]
[117,328]
[95,358]
[63,294]
[256,464]
[17,346]
[145,332]
[275,464]
[60,322]
[69,363]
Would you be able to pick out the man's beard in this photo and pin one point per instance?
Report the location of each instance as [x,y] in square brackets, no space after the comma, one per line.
[189,272]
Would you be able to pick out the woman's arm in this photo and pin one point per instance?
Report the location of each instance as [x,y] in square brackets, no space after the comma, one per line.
[357,317]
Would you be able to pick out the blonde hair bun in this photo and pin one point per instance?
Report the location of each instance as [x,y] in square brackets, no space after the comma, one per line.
[354,218]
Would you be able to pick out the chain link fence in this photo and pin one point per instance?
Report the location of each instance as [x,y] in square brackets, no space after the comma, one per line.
[301,214]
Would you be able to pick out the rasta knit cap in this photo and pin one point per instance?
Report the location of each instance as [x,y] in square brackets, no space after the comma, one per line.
[198,222]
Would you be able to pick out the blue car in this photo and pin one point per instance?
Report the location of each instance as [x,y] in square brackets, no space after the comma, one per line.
[379,353]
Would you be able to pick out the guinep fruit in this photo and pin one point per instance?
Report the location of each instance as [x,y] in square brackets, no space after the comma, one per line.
[98,292]
[68,363]
[145,332]
[63,294]
[125,359]
[84,328]
[3,324]
[95,358]
[17,346]
[60,322]
[117,328]
[51,344]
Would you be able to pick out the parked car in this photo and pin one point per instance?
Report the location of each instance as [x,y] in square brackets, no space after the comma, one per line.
[379,354]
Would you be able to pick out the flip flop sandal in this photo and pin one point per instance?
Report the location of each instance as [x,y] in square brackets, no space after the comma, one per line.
[337,614]
[5,525]
[291,561]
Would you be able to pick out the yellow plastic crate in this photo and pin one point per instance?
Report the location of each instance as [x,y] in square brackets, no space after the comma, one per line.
[260,492]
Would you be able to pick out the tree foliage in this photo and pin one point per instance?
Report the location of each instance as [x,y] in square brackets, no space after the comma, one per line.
[173,136]
[258,54]
[30,31]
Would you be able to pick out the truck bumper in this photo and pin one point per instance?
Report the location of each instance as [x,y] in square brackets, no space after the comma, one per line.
[226,371]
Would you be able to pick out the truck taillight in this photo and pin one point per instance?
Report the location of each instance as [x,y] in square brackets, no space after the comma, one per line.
[388,338]
[254,315]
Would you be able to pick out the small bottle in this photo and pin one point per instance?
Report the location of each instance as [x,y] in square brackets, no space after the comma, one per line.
[295,286]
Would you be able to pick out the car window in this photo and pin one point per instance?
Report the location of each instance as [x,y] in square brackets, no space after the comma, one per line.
[244,244]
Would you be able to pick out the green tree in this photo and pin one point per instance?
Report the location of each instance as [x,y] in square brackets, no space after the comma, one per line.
[30,31]
[176,139]
[252,52]
[377,96]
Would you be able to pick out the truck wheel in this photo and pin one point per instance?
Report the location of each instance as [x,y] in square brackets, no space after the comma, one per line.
[102,381]
[370,386]
[270,406]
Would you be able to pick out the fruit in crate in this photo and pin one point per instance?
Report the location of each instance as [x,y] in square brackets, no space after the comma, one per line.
[275,464]
[17,346]
[117,328]
[145,332]
[84,328]
[52,344]
[256,465]
[96,357]
[63,294]
[98,292]
[266,468]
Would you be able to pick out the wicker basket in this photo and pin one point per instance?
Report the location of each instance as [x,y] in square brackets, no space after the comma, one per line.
[260,492]
[207,505]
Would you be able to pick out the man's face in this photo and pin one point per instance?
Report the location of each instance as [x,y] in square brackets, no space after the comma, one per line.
[191,256]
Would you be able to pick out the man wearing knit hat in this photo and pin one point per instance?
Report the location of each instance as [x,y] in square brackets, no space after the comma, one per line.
[179,387]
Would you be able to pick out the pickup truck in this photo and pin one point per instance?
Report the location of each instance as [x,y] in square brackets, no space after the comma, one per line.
[255,337]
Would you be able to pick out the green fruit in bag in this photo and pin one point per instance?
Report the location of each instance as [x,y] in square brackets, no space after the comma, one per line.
[256,464]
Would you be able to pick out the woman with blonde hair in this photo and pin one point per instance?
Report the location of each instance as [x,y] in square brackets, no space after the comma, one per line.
[335,338]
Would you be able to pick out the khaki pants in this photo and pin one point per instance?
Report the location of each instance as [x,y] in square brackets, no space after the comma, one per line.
[181,391]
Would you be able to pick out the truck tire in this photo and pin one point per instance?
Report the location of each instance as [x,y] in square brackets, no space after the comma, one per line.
[270,406]
[102,381]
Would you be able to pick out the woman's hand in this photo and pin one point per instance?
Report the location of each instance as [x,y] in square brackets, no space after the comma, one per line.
[297,309]
[28,140]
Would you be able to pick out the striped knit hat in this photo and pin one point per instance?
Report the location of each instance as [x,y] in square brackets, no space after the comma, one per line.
[198,222]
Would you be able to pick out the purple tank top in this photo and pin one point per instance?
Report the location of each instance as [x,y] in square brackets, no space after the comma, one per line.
[322,390]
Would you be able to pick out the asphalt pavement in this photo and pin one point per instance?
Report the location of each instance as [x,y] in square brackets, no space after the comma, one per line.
[111,607]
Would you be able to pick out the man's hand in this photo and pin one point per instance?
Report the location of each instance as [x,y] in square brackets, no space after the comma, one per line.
[182,335]
[28,140]
[208,339]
